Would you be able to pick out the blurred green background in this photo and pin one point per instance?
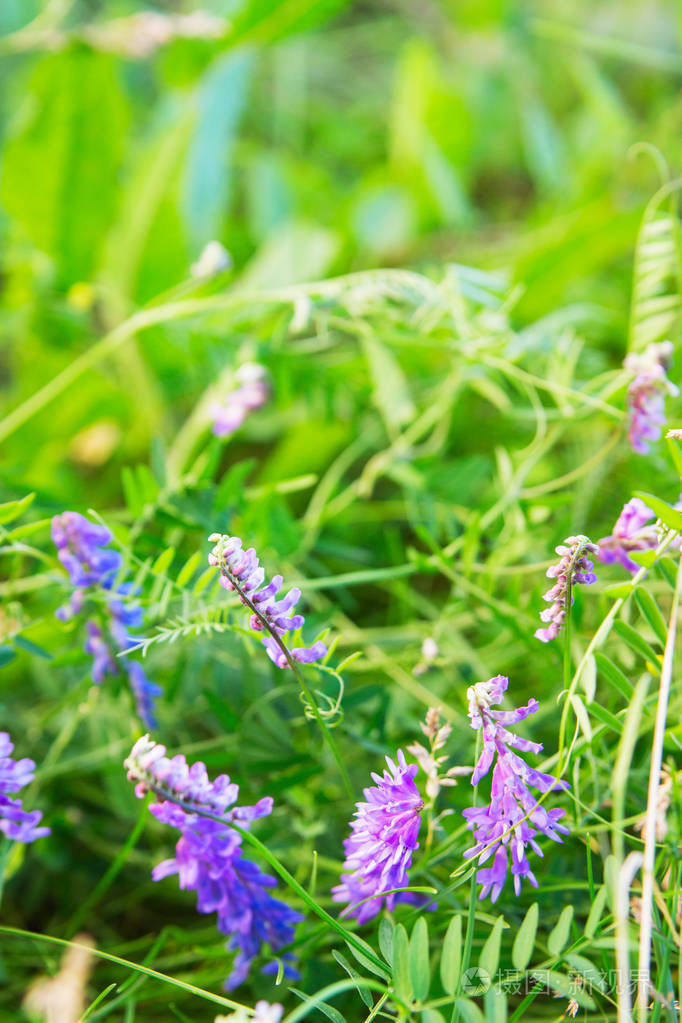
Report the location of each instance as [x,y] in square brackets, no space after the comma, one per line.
[310,139]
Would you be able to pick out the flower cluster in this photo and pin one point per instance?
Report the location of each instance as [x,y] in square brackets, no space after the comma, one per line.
[208,856]
[633,531]
[574,567]
[252,393]
[83,550]
[514,817]
[240,571]
[383,837]
[647,393]
[15,822]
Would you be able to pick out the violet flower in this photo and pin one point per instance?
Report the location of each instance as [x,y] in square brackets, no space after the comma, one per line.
[16,823]
[208,856]
[512,820]
[252,393]
[383,837]
[574,567]
[240,571]
[82,548]
[633,531]
[647,392]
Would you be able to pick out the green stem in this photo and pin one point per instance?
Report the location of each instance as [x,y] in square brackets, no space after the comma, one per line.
[228,1003]
[234,582]
[471,920]
[275,863]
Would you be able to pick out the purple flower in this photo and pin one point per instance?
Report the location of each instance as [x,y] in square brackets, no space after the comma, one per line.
[633,531]
[81,547]
[383,837]
[15,822]
[647,392]
[240,571]
[252,393]
[514,817]
[574,567]
[92,568]
[208,857]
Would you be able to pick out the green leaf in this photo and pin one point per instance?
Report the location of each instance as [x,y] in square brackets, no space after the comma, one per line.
[644,558]
[224,714]
[668,515]
[353,974]
[652,613]
[431,1016]
[189,568]
[636,642]
[163,561]
[386,939]
[32,648]
[562,985]
[490,953]
[619,591]
[11,510]
[451,956]
[558,936]
[596,910]
[329,1010]
[469,1011]
[606,717]
[63,155]
[668,569]
[419,960]
[28,529]
[401,965]
[495,1005]
[522,949]
[614,675]
[593,975]
[366,960]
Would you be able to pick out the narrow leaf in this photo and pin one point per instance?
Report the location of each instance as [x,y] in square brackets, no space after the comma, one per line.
[525,939]
[652,613]
[189,568]
[635,641]
[614,675]
[668,515]
[490,953]
[451,956]
[401,965]
[11,510]
[558,936]
[419,959]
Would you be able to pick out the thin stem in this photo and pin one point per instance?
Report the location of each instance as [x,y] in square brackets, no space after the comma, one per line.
[471,919]
[191,989]
[652,802]
[267,625]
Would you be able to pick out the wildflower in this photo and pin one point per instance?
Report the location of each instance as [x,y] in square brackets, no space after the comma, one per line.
[430,764]
[263,1012]
[574,567]
[208,858]
[383,838]
[647,392]
[514,817]
[251,394]
[214,259]
[240,571]
[82,548]
[674,435]
[15,822]
[633,531]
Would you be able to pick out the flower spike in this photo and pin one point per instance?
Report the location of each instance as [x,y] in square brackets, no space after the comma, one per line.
[647,393]
[241,572]
[574,567]
[512,820]
[208,856]
[383,838]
